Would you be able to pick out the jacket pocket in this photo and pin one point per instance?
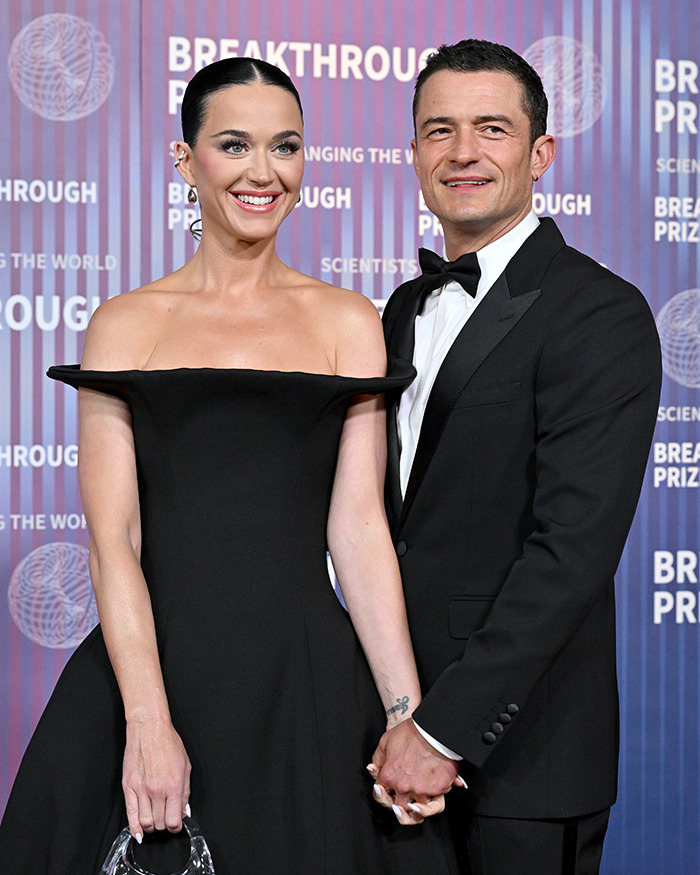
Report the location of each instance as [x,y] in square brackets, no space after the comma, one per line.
[467,613]
[500,394]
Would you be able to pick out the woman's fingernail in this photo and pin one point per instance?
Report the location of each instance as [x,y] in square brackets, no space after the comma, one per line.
[138,837]
[377,790]
[460,782]
[372,769]
[413,807]
[397,811]
[188,810]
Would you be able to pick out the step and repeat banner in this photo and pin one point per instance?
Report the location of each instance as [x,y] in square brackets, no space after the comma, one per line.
[91,206]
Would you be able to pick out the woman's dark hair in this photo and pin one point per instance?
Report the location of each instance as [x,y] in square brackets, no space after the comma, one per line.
[472,56]
[222,74]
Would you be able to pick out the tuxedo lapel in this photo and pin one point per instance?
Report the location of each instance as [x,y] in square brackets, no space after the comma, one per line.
[400,321]
[495,316]
[399,329]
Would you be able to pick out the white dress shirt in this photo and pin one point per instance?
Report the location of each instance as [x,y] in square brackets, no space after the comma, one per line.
[445,313]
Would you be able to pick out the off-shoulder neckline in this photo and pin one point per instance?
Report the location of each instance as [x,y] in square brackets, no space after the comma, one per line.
[273,371]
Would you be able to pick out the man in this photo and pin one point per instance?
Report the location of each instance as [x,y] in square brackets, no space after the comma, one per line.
[516,461]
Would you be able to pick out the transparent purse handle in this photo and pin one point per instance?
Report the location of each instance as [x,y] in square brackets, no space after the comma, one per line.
[120,859]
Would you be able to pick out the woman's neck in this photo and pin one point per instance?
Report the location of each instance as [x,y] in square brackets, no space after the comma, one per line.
[233,264]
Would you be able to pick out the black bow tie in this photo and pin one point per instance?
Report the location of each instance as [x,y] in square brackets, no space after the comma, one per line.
[436,271]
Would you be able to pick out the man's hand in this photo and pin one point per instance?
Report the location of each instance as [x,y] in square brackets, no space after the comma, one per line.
[411,775]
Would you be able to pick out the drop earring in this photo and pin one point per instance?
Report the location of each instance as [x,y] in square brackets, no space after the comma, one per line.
[192,195]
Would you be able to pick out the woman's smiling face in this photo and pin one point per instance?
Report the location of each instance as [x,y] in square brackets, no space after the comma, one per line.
[248,161]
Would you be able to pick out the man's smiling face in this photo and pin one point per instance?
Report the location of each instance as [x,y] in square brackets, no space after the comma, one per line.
[473,155]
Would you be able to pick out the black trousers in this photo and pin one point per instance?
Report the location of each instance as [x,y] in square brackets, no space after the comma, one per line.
[508,846]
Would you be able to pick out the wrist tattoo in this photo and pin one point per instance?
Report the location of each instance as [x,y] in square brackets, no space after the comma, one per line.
[401,705]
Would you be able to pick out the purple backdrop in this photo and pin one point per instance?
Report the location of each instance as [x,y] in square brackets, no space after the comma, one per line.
[91,206]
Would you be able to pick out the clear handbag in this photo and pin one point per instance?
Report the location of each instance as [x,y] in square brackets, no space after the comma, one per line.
[120,859]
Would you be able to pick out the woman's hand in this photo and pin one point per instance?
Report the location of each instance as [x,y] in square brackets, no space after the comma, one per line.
[155,778]
[411,776]
[414,812]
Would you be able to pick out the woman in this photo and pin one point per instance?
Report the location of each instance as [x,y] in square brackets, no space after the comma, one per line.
[228,425]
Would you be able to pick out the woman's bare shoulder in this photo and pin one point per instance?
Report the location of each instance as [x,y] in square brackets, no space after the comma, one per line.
[122,330]
[353,327]
[338,302]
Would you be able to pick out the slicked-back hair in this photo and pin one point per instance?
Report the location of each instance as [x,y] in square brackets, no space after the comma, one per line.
[222,74]
[473,56]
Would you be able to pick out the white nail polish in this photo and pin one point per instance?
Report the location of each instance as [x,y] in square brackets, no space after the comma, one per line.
[138,837]
[460,782]
[377,790]
[413,807]
[397,811]
[188,810]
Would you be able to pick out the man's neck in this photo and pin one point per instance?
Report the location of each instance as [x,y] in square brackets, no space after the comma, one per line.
[494,257]
[460,240]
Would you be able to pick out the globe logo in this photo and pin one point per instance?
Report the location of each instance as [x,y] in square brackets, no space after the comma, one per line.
[678,324]
[50,595]
[573,80]
[61,67]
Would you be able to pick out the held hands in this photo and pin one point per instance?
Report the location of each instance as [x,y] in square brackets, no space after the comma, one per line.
[155,778]
[411,777]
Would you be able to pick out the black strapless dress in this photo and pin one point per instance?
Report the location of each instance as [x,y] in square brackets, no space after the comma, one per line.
[266,681]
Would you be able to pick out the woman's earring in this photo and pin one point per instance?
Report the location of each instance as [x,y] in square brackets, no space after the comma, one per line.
[196,229]
[180,157]
[192,195]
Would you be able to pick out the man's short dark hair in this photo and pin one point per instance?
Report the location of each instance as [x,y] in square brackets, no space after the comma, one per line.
[474,55]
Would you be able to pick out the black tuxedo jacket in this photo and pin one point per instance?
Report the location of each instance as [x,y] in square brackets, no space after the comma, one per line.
[525,481]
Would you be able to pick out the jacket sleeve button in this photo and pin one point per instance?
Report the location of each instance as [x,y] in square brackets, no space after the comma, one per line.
[488,738]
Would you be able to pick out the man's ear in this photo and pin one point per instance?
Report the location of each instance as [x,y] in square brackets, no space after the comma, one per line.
[543,153]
